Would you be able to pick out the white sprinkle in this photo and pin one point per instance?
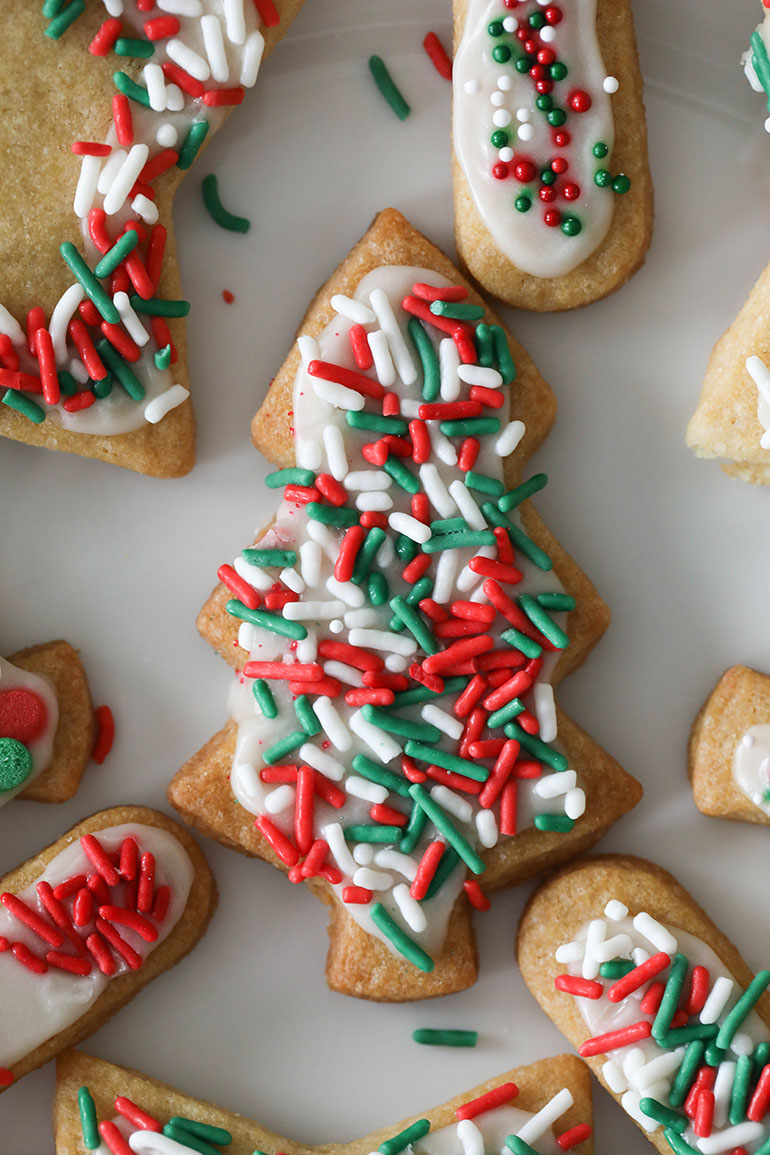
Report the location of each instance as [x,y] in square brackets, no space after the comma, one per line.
[651,929]
[471,87]
[552,785]
[156,86]
[444,721]
[349,593]
[614,1077]
[395,664]
[382,640]
[336,457]
[363,788]
[510,438]
[156,409]
[465,503]
[386,554]
[442,446]
[506,153]
[615,911]
[412,528]
[631,1103]
[332,724]
[145,208]
[547,34]
[372,879]
[760,375]
[640,955]
[344,673]
[279,799]
[446,573]
[449,362]
[321,760]
[367,480]
[248,638]
[399,349]
[181,7]
[545,711]
[336,626]
[569,952]
[114,7]
[658,1068]
[497,99]
[618,945]
[338,848]
[310,562]
[355,311]
[526,132]
[167,135]
[610,84]
[436,491]
[252,574]
[111,168]
[235,21]
[523,115]
[395,860]
[363,853]
[214,44]
[468,580]
[321,534]
[383,362]
[478,375]
[597,931]
[450,801]
[381,744]
[486,827]
[130,319]
[367,616]
[60,319]
[540,1122]
[309,350]
[379,502]
[312,611]
[338,395]
[723,1086]
[510,24]
[90,169]
[470,1137]
[308,453]
[741,1135]
[411,910]
[501,118]
[251,58]
[307,648]
[191,61]
[174,98]
[575,803]
[292,579]
[742,1044]
[126,178]
[633,1061]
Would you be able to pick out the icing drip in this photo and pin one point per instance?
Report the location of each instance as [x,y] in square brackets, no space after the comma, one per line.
[751,765]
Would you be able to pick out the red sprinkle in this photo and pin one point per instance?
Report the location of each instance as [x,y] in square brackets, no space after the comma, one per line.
[638,977]
[89,148]
[119,944]
[28,959]
[331,489]
[124,121]
[699,989]
[102,953]
[83,907]
[508,808]
[104,40]
[284,671]
[78,401]
[283,846]
[356,894]
[651,1001]
[161,27]
[19,909]
[475,894]
[130,918]
[505,1093]
[161,904]
[223,97]
[268,13]
[67,962]
[70,886]
[6,1077]
[327,371]
[434,293]
[105,734]
[129,1110]
[238,586]
[187,83]
[426,869]
[227,296]
[612,1040]
[760,1100]
[113,1139]
[387,815]
[360,346]
[146,889]
[438,56]
[576,1135]
[97,855]
[582,988]
[703,1122]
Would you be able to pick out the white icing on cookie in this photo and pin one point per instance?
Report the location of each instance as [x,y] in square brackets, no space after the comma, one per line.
[41,749]
[751,765]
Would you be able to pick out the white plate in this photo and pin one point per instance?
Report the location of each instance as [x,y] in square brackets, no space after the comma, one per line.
[119,564]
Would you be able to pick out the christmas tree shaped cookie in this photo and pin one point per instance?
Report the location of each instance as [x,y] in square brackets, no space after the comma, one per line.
[729,755]
[399,628]
[540,1109]
[92,340]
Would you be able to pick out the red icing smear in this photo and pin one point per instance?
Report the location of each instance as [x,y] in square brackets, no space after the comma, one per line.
[23,715]
[57,924]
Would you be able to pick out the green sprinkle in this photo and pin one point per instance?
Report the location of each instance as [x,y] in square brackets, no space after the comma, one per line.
[600,150]
[602,178]
[518,537]
[539,618]
[416,626]
[471,537]
[421,589]
[266,621]
[485,346]
[412,833]
[515,496]
[269,557]
[445,826]
[556,117]
[374,423]
[88,1119]
[558,602]
[470,427]
[739,1095]
[192,143]
[61,23]
[203,1130]
[616,969]
[119,251]
[306,717]
[677,1143]
[448,525]
[714,1056]
[86,278]
[368,769]
[67,383]
[157,307]
[103,388]
[131,89]
[134,46]
[448,863]
[501,53]
[122,370]
[423,694]
[457,310]
[371,832]
[523,203]
[387,87]
[377,589]
[279,750]
[431,375]
[264,695]
[216,210]
[415,955]
[558,71]
[680,1035]
[402,476]
[52,8]
[761,1056]
[294,476]
[446,760]
[505,362]
[404,727]
[686,1073]
[506,713]
[746,1002]
[187,1139]
[24,405]
[367,554]
[162,357]
[519,1146]
[536,747]
[760,60]
[556,823]
[670,999]
[621,184]
[519,641]
[405,548]
[484,484]
[332,515]
[662,1114]
[571,226]
[433,1037]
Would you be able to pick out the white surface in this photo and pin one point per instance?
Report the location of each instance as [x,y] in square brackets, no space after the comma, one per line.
[119,564]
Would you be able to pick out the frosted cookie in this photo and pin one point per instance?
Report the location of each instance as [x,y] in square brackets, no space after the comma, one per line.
[544,1108]
[399,630]
[87,922]
[92,339]
[552,188]
[46,723]
[657,1000]
[756,61]
[729,753]
[732,420]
